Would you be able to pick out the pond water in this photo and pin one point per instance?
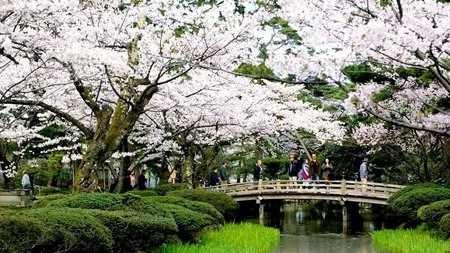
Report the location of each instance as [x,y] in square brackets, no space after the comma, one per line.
[308,228]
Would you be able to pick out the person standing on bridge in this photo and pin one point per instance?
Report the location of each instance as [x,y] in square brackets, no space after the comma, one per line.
[223,173]
[26,183]
[364,173]
[214,180]
[257,171]
[294,168]
[314,168]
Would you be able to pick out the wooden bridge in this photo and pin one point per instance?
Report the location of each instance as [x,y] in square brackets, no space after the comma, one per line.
[342,191]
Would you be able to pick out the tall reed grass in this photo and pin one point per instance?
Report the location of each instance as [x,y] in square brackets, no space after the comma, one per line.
[409,241]
[232,238]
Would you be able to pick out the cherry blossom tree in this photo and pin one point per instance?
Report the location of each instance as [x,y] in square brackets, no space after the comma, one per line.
[99,67]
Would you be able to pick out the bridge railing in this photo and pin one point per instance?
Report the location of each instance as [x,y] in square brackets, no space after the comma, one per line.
[336,187]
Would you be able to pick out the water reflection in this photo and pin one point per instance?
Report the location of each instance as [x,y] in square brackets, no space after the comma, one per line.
[308,228]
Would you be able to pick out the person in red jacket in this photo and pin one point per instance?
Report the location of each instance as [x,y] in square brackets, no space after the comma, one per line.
[314,168]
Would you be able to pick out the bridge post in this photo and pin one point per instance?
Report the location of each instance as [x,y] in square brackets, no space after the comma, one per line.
[260,186]
[261,210]
[343,187]
[344,213]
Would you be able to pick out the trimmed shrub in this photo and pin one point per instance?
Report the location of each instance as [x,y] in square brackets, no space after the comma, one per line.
[43,201]
[163,189]
[225,204]
[410,188]
[444,224]
[102,201]
[147,205]
[432,213]
[133,232]
[190,223]
[72,229]
[49,190]
[146,193]
[196,206]
[407,204]
[19,233]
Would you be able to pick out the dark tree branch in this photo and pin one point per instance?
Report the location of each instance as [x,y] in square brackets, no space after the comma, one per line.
[86,131]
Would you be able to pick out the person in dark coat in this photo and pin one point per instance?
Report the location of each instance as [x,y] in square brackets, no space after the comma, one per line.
[223,174]
[294,168]
[257,171]
[214,180]
[142,180]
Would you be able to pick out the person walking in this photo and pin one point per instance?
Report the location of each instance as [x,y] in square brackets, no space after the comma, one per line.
[327,170]
[142,180]
[26,183]
[304,173]
[214,180]
[173,176]
[223,174]
[294,168]
[314,168]
[364,173]
[257,171]
[132,179]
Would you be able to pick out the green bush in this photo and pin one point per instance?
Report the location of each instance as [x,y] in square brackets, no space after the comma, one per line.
[63,179]
[407,204]
[409,188]
[147,205]
[196,206]
[72,229]
[102,201]
[145,193]
[163,189]
[134,232]
[447,184]
[190,223]
[225,204]
[19,233]
[444,224]
[432,213]
[49,190]
[43,201]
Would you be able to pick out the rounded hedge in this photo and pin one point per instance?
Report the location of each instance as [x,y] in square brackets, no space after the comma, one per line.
[134,232]
[444,224]
[410,188]
[163,189]
[66,228]
[432,213]
[146,193]
[225,204]
[196,206]
[147,205]
[407,204]
[43,201]
[19,233]
[190,223]
[102,201]
[49,190]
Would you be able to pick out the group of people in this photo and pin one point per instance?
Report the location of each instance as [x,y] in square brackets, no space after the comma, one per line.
[309,170]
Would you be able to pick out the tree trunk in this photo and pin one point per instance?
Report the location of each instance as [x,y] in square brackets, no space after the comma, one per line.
[189,168]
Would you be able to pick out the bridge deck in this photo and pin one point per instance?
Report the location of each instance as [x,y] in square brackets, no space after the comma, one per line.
[373,193]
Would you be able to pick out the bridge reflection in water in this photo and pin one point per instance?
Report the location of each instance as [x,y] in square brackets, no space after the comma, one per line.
[343,191]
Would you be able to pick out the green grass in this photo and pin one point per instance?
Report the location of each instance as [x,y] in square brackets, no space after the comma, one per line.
[232,238]
[409,241]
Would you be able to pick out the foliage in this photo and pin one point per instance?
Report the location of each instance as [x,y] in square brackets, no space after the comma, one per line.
[72,229]
[102,201]
[409,188]
[408,241]
[432,213]
[50,190]
[190,223]
[195,206]
[40,175]
[225,204]
[43,201]
[163,189]
[19,233]
[406,205]
[444,224]
[133,231]
[258,71]
[232,238]
[145,193]
[147,205]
